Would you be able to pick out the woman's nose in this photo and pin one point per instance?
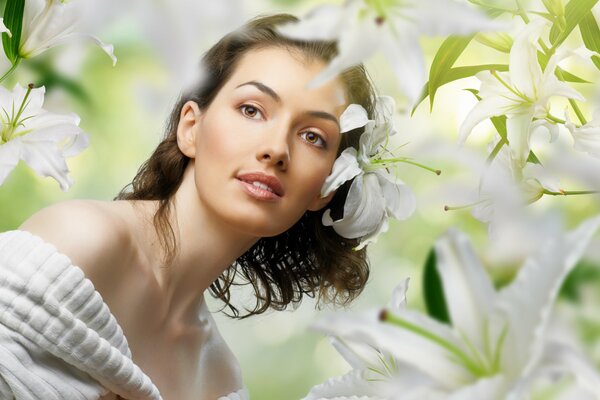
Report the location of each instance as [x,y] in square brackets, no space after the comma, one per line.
[275,150]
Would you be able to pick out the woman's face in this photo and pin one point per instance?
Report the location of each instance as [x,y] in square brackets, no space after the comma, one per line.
[263,148]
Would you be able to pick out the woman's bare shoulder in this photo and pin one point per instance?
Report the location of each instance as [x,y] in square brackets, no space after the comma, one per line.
[92,234]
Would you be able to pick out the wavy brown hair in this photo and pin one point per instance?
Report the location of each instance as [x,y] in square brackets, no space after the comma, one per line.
[307,259]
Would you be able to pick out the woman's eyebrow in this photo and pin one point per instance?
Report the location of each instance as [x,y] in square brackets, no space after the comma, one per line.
[324,115]
[263,88]
[267,90]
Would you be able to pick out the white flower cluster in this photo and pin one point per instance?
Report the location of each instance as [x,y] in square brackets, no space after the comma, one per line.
[375,194]
[40,138]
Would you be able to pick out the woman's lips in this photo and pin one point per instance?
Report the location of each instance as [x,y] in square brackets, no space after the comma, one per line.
[261,186]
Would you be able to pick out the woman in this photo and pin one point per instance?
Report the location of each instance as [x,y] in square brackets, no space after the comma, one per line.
[233,189]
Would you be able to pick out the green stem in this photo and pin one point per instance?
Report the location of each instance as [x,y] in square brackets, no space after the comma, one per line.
[384,161]
[572,102]
[495,8]
[454,208]
[467,362]
[570,193]
[496,150]
[12,68]
[555,119]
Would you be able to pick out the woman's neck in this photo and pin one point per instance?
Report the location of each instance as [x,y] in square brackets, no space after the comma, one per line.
[205,248]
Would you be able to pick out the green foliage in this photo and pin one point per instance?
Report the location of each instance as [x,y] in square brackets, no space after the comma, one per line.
[50,78]
[590,33]
[584,272]
[575,12]
[13,19]
[444,59]
[433,291]
[457,73]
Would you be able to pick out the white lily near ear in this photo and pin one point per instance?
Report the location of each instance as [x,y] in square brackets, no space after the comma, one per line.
[375,194]
[40,138]
[495,346]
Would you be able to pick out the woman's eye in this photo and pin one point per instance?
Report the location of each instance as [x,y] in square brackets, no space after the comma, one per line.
[313,138]
[250,111]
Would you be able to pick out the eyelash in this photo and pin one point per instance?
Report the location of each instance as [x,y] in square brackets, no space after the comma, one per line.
[323,143]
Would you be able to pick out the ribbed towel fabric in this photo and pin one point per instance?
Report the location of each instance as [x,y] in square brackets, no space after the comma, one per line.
[58,339]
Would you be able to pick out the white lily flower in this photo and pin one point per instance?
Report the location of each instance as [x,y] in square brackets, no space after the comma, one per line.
[362,27]
[587,137]
[48,23]
[40,138]
[375,194]
[522,94]
[495,347]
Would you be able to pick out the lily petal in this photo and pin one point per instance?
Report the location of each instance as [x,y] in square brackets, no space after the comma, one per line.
[398,300]
[572,363]
[518,133]
[403,345]
[355,116]
[404,54]
[322,23]
[10,153]
[468,290]
[363,210]
[358,40]
[525,304]
[3,28]
[400,200]
[484,109]
[344,168]
[524,69]
[355,385]
[492,388]
[46,159]
[586,138]
[431,17]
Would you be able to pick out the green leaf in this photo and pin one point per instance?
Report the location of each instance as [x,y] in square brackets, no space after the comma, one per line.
[569,77]
[13,20]
[51,79]
[590,33]
[433,291]
[444,59]
[457,73]
[575,12]
[532,158]
[584,273]
[500,125]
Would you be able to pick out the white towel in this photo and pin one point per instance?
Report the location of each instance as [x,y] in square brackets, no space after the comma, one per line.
[58,339]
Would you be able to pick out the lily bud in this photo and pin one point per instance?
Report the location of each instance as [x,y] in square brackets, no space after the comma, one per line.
[496,40]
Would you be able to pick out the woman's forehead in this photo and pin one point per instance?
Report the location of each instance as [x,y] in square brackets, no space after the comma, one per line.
[287,72]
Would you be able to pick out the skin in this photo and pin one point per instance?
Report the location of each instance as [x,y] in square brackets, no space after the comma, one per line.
[263,119]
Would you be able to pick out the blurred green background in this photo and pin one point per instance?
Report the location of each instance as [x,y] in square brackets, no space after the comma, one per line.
[124,109]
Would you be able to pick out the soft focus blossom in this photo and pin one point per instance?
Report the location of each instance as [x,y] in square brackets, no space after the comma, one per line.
[522,94]
[40,138]
[374,194]
[495,347]
[48,23]
[362,27]
[587,137]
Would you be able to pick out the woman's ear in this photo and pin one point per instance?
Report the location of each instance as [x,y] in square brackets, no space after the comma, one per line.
[320,202]
[186,128]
